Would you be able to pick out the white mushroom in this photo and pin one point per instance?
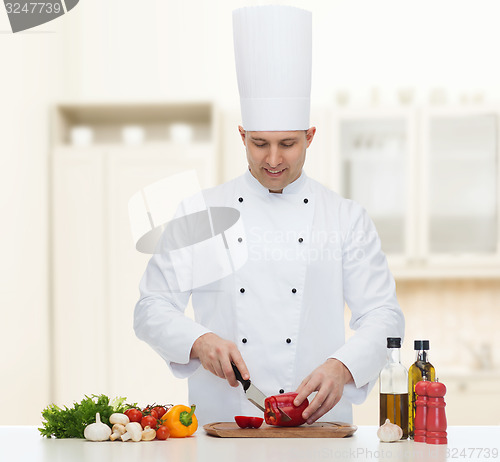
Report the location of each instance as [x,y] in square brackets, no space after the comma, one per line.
[148,434]
[118,418]
[118,430]
[134,432]
[97,431]
[389,432]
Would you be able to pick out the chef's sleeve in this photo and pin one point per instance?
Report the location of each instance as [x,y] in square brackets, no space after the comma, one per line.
[159,316]
[370,293]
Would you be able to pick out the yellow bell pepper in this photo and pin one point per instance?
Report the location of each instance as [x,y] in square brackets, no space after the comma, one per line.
[181,421]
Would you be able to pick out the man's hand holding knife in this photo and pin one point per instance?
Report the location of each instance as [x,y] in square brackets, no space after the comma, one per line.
[217,356]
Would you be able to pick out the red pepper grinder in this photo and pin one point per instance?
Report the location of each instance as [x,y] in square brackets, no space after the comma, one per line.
[420,421]
[436,416]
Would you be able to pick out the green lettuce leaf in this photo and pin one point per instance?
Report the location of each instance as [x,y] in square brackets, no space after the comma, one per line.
[71,422]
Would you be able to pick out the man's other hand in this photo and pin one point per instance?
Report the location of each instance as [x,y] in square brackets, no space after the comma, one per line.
[328,380]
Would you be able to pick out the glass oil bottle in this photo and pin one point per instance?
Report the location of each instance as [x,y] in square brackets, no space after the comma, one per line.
[421,369]
[393,387]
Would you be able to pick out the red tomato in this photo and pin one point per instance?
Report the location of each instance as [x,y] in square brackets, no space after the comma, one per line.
[148,421]
[134,415]
[163,432]
[160,411]
[256,422]
[152,413]
[244,421]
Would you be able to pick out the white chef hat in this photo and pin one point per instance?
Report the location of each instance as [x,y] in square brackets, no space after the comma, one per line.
[273,47]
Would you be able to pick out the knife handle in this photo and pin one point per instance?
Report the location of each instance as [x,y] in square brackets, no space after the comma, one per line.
[239,378]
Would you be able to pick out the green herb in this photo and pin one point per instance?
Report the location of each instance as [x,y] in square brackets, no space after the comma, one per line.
[71,422]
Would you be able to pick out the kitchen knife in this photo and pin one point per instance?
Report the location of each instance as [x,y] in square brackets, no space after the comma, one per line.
[253,394]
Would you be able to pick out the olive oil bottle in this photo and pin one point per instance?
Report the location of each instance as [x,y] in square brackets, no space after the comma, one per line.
[421,369]
[393,386]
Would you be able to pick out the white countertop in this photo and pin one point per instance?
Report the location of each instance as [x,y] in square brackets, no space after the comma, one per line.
[19,443]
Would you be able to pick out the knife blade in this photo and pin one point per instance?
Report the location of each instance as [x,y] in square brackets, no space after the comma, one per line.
[253,394]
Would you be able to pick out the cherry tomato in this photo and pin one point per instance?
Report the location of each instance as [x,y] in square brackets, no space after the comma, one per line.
[151,412]
[244,421]
[160,411]
[134,415]
[148,421]
[163,432]
[256,422]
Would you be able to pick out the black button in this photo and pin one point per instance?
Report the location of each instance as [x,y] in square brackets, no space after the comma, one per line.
[282,391]
[294,290]
[244,340]
[240,199]
[240,239]
[242,290]
[288,340]
[306,200]
[301,240]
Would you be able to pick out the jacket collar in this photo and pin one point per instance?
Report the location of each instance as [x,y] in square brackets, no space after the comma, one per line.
[292,188]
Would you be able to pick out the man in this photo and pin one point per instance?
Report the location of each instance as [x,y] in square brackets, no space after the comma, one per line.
[279,317]
[276,159]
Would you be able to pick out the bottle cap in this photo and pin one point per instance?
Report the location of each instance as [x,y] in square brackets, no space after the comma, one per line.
[421,345]
[393,342]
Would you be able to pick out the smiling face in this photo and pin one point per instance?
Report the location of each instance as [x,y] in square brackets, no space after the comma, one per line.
[276,159]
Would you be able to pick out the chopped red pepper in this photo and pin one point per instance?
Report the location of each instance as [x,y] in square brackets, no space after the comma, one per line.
[284,402]
[244,421]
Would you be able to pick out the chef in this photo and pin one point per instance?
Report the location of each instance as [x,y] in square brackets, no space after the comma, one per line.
[280,316]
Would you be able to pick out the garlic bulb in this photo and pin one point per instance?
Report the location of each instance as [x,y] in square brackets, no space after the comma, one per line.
[389,432]
[97,431]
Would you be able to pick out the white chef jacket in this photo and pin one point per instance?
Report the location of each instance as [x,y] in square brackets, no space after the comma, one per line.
[310,251]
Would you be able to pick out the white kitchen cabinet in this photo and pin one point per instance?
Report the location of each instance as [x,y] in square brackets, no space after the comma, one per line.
[460,202]
[375,162]
[429,179]
[95,267]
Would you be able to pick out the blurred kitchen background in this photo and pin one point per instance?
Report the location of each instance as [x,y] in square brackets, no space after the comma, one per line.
[116,95]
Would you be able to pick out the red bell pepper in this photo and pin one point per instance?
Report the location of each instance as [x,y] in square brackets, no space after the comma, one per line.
[244,421]
[272,413]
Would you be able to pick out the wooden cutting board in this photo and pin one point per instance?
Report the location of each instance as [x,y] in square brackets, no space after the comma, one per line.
[316,430]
